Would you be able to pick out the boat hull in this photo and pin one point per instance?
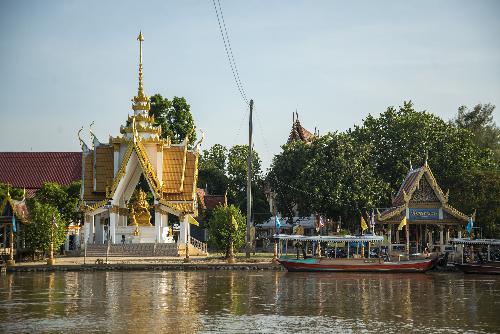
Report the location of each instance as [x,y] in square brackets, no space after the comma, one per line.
[490,268]
[343,265]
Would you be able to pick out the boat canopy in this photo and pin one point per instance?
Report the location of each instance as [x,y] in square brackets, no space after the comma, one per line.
[467,241]
[330,238]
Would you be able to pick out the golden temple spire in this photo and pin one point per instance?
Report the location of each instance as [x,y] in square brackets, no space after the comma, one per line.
[141,101]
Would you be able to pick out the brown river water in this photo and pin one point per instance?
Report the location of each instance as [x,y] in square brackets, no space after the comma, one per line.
[248,302]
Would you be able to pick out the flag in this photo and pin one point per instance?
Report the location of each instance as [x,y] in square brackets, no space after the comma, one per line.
[363,224]
[321,222]
[14,227]
[54,222]
[372,220]
[402,224]
[192,221]
[278,223]
[470,225]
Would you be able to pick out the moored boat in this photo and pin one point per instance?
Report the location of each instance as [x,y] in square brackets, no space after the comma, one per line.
[356,265]
[349,264]
[477,264]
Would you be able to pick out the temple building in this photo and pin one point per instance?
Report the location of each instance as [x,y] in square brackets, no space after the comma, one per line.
[115,209]
[431,220]
[14,216]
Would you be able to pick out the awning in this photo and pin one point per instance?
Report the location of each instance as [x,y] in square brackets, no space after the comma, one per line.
[331,238]
[466,241]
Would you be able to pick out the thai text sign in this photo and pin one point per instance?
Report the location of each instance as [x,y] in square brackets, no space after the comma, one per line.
[424,214]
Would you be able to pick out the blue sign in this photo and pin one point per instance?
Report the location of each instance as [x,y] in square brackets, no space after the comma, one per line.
[424,214]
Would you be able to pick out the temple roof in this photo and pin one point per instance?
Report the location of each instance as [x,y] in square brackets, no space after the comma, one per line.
[19,208]
[31,170]
[298,132]
[415,181]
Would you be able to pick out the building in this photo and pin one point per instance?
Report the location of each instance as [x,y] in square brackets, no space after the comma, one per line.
[30,170]
[111,172]
[430,218]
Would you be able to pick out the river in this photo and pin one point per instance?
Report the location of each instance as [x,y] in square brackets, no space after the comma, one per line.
[248,302]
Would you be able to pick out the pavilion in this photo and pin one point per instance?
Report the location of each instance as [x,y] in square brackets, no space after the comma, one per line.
[111,173]
[430,218]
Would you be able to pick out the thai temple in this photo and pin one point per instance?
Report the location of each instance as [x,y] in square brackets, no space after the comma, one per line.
[431,220]
[115,209]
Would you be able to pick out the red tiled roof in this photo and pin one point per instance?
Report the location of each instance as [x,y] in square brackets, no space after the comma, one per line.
[31,170]
[408,183]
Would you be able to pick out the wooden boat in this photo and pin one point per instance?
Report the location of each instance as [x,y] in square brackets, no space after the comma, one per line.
[356,265]
[349,264]
[482,266]
[479,268]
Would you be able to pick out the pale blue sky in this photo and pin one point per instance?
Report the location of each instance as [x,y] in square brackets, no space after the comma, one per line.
[65,64]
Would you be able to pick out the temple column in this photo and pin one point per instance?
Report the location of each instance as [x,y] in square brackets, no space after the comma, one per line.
[77,240]
[389,237]
[66,243]
[441,239]
[113,219]
[158,225]
[86,228]
[99,229]
[447,240]
[183,233]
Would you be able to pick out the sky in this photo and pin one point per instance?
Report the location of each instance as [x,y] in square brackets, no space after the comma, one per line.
[65,64]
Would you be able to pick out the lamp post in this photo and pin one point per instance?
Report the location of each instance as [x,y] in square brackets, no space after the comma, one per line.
[51,260]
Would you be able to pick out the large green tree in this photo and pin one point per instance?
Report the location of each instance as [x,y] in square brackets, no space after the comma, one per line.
[212,170]
[222,228]
[404,136]
[41,230]
[286,178]
[64,198]
[237,167]
[175,118]
[479,121]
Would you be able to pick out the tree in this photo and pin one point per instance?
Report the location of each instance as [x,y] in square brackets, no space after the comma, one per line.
[212,170]
[341,178]
[404,136]
[15,193]
[237,167]
[480,122]
[214,158]
[286,178]
[64,198]
[221,229]
[41,231]
[174,117]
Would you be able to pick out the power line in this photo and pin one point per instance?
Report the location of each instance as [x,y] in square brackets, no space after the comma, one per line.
[229,52]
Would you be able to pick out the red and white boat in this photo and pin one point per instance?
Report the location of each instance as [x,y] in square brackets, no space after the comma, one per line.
[323,264]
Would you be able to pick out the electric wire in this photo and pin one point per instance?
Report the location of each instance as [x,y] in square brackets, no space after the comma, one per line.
[230,56]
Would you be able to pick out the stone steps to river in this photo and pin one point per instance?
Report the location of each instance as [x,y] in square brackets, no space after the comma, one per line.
[133,250]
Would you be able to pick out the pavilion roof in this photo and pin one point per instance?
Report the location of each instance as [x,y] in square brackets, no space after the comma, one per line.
[412,183]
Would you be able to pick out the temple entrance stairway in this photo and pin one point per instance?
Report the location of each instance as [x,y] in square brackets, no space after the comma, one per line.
[133,250]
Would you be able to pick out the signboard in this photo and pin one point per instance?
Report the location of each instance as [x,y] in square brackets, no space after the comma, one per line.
[424,214]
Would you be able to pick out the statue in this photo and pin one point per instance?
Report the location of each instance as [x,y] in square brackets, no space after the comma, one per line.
[139,211]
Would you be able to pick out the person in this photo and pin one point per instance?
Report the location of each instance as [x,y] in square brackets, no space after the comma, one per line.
[426,252]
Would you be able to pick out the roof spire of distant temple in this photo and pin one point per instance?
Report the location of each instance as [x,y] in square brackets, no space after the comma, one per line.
[141,101]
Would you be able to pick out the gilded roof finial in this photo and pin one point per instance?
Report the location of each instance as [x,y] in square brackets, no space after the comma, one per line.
[141,101]
[426,158]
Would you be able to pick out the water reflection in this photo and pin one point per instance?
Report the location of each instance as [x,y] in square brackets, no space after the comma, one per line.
[219,301]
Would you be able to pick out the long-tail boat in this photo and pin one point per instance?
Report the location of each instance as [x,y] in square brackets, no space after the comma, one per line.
[478,264]
[349,264]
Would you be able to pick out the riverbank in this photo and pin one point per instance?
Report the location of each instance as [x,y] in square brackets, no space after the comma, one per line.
[153,263]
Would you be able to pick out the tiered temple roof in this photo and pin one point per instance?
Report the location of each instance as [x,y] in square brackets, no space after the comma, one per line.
[421,190]
[298,132]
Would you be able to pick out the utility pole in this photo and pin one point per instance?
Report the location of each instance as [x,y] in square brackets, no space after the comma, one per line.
[249,182]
